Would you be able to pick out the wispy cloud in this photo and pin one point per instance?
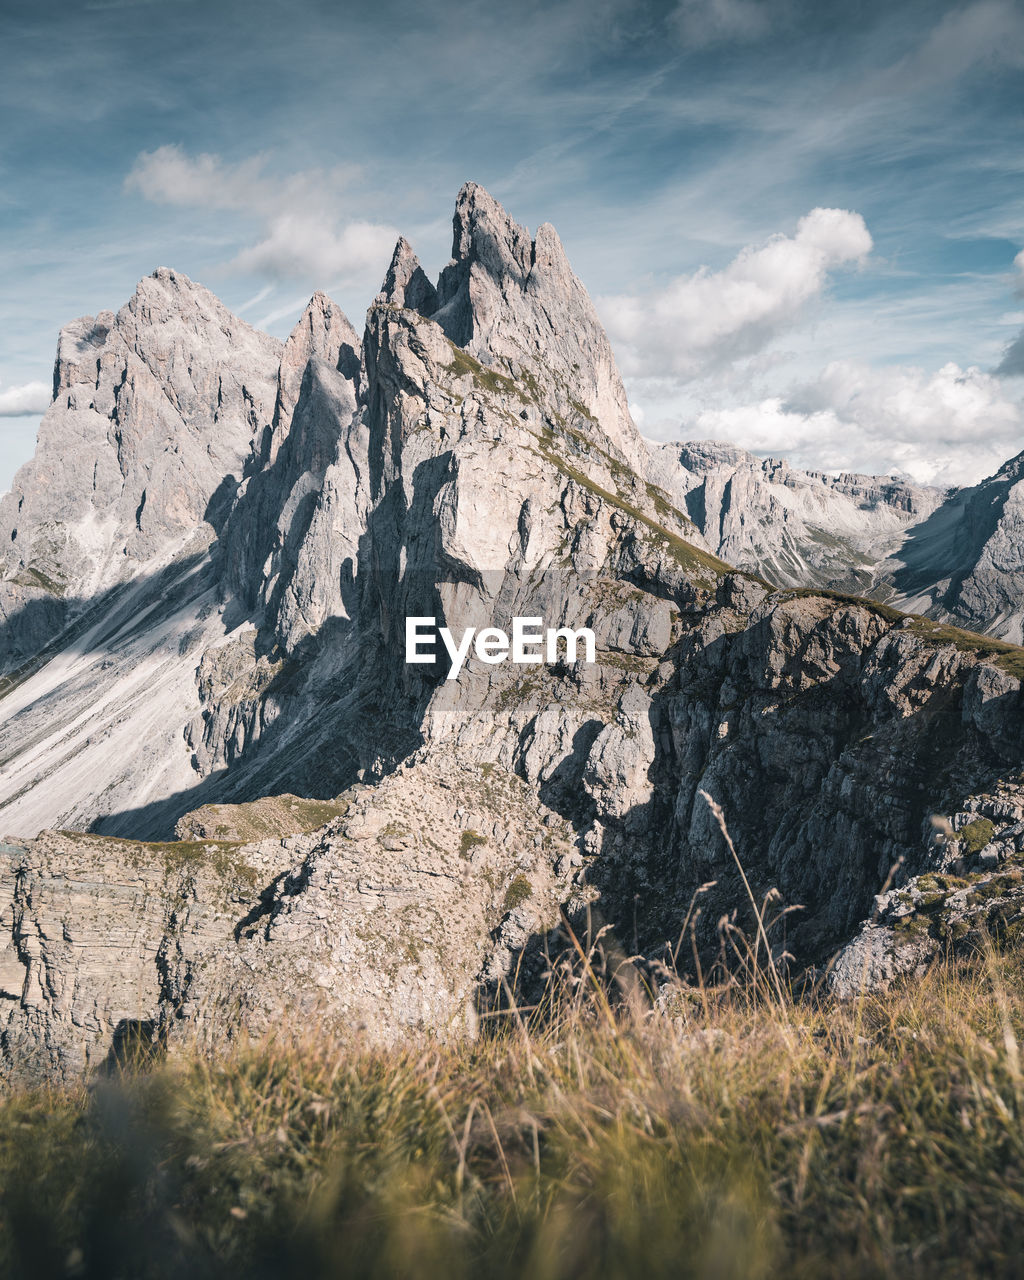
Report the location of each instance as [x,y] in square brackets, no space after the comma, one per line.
[655,134]
[302,237]
[990,32]
[704,22]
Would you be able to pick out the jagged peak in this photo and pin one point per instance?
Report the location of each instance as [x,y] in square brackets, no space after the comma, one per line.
[323,301]
[513,301]
[321,326]
[171,276]
[1012,469]
[406,283]
[482,231]
[324,333]
[548,252]
[167,292]
[166,281]
[92,331]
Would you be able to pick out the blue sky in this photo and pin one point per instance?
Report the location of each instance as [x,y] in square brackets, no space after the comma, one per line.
[271,147]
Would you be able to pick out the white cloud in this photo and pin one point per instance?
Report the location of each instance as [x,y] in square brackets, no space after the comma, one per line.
[700,322]
[169,176]
[302,236]
[951,427]
[302,245]
[29,398]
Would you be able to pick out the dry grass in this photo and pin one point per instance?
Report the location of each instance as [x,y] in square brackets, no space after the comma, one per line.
[723,1133]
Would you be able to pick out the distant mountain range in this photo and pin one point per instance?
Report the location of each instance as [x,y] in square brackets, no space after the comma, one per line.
[955,555]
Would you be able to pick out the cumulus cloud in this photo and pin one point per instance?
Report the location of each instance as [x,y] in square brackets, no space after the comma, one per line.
[950,427]
[697,323]
[302,236]
[299,245]
[20,402]
[169,176]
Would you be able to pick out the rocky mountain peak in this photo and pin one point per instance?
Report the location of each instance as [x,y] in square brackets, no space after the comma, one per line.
[483,232]
[154,415]
[1011,471]
[322,333]
[549,258]
[965,563]
[794,527]
[406,283]
[514,304]
[164,295]
[196,621]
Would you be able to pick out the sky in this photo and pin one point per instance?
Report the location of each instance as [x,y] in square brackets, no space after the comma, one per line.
[802,222]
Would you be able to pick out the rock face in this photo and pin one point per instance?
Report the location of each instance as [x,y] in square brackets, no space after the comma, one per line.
[107,584]
[352,924]
[153,413]
[471,460]
[972,899]
[514,304]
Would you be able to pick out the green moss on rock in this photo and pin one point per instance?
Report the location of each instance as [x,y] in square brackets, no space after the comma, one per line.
[976,835]
[470,840]
[517,892]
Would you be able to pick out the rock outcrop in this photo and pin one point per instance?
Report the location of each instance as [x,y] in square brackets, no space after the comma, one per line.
[382,921]
[973,898]
[965,564]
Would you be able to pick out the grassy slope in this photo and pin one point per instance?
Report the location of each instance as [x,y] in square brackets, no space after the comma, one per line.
[735,1137]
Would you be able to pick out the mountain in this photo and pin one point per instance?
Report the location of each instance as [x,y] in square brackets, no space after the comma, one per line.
[796,528]
[362,839]
[956,556]
[107,593]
